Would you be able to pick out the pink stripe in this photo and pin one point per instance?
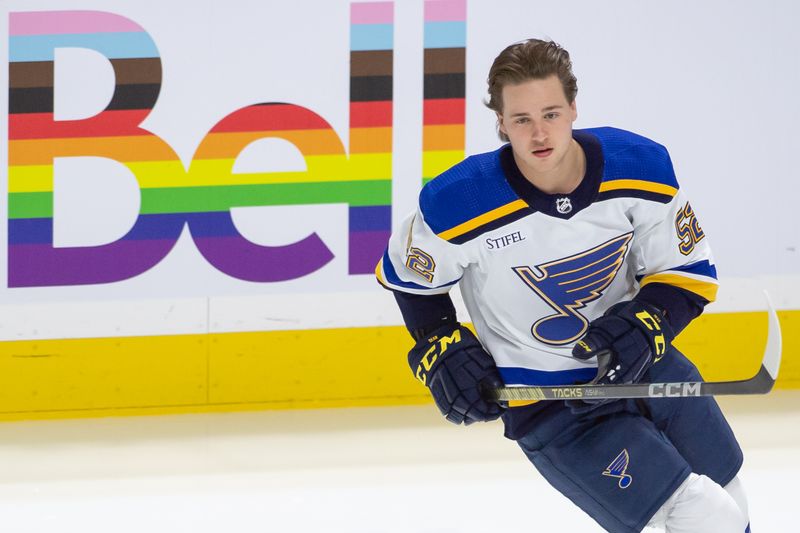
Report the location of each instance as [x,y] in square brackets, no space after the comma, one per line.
[445,10]
[372,13]
[55,22]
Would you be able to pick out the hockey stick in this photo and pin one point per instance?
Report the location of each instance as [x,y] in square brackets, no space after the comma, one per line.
[761,383]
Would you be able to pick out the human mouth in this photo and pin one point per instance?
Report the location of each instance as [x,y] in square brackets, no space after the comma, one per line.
[542,152]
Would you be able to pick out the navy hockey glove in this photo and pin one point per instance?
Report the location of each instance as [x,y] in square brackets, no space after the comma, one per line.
[627,340]
[452,363]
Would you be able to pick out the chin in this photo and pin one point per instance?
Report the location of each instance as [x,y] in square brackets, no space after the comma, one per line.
[542,164]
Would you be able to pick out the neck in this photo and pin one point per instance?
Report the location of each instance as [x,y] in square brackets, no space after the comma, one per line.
[564,178]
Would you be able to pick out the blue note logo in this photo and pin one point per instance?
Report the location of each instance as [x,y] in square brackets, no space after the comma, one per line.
[570,283]
[617,469]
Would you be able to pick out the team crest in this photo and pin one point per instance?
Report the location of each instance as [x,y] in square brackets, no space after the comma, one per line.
[568,284]
[617,469]
[563,205]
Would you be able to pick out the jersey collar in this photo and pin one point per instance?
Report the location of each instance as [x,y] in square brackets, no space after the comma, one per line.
[559,205]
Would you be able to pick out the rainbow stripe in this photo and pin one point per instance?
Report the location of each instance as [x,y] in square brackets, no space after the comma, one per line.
[371,76]
[203,196]
[445,38]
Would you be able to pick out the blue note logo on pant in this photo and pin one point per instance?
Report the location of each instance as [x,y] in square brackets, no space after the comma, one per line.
[617,469]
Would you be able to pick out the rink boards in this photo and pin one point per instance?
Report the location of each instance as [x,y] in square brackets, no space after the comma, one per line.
[190,224]
[290,369]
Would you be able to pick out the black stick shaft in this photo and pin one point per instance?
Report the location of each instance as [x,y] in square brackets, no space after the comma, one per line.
[761,383]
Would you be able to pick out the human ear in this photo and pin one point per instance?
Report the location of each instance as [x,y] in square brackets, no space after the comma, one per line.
[500,125]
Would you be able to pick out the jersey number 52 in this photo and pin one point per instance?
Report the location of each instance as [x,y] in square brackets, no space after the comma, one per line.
[421,262]
[689,231]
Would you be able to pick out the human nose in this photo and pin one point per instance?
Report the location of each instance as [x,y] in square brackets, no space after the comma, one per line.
[538,133]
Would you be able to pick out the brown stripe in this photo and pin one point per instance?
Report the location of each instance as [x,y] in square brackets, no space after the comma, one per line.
[138,71]
[371,63]
[30,74]
[445,60]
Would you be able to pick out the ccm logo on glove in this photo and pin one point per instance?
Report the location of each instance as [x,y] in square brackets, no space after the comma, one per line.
[628,339]
[452,363]
[438,347]
[653,323]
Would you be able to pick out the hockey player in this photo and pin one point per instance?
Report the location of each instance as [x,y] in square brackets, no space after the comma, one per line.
[569,244]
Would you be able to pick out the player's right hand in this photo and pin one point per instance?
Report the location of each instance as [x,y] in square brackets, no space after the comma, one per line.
[627,340]
[452,363]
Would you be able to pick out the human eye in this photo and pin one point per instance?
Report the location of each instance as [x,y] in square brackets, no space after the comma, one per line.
[552,115]
[521,120]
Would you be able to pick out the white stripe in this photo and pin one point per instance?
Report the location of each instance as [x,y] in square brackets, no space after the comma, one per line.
[376,307]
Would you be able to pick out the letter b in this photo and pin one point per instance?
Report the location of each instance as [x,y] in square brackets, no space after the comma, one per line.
[36,139]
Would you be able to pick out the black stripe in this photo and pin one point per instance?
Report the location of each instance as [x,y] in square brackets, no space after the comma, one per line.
[40,99]
[635,193]
[444,86]
[493,225]
[30,100]
[370,88]
[136,96]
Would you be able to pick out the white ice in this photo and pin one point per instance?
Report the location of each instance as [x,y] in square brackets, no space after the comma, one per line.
[365,470]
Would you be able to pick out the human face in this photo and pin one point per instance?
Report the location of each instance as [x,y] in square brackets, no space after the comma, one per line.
[538,121]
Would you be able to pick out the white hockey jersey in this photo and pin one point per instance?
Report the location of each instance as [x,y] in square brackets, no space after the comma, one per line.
[533,268]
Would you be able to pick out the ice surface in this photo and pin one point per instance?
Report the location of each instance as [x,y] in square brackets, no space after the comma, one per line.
[400,469]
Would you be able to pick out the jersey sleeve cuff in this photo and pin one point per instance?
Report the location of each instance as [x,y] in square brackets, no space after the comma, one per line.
[424,314]
[680,306]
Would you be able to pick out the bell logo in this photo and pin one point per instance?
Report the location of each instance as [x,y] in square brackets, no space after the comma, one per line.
[201,196]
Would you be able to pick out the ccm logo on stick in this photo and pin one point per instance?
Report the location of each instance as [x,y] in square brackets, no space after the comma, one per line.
[674,390]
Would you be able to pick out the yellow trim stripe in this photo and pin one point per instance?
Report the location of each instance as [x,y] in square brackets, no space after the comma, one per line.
[485,218]
[521,403]
[705,289]
[639,185]
[379,272]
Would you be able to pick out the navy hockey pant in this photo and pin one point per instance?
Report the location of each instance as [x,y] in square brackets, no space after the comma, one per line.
[621,466]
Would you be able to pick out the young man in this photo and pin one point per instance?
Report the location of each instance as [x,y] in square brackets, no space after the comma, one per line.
[569,245]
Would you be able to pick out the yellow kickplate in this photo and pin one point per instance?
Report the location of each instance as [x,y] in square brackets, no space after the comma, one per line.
[293,369]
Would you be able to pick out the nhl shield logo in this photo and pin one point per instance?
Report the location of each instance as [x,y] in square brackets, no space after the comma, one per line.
[563,205]
[617,469]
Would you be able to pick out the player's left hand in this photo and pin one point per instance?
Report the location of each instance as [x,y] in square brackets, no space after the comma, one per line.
[627,340]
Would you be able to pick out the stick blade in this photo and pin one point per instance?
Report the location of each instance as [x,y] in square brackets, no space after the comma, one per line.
[772,353]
